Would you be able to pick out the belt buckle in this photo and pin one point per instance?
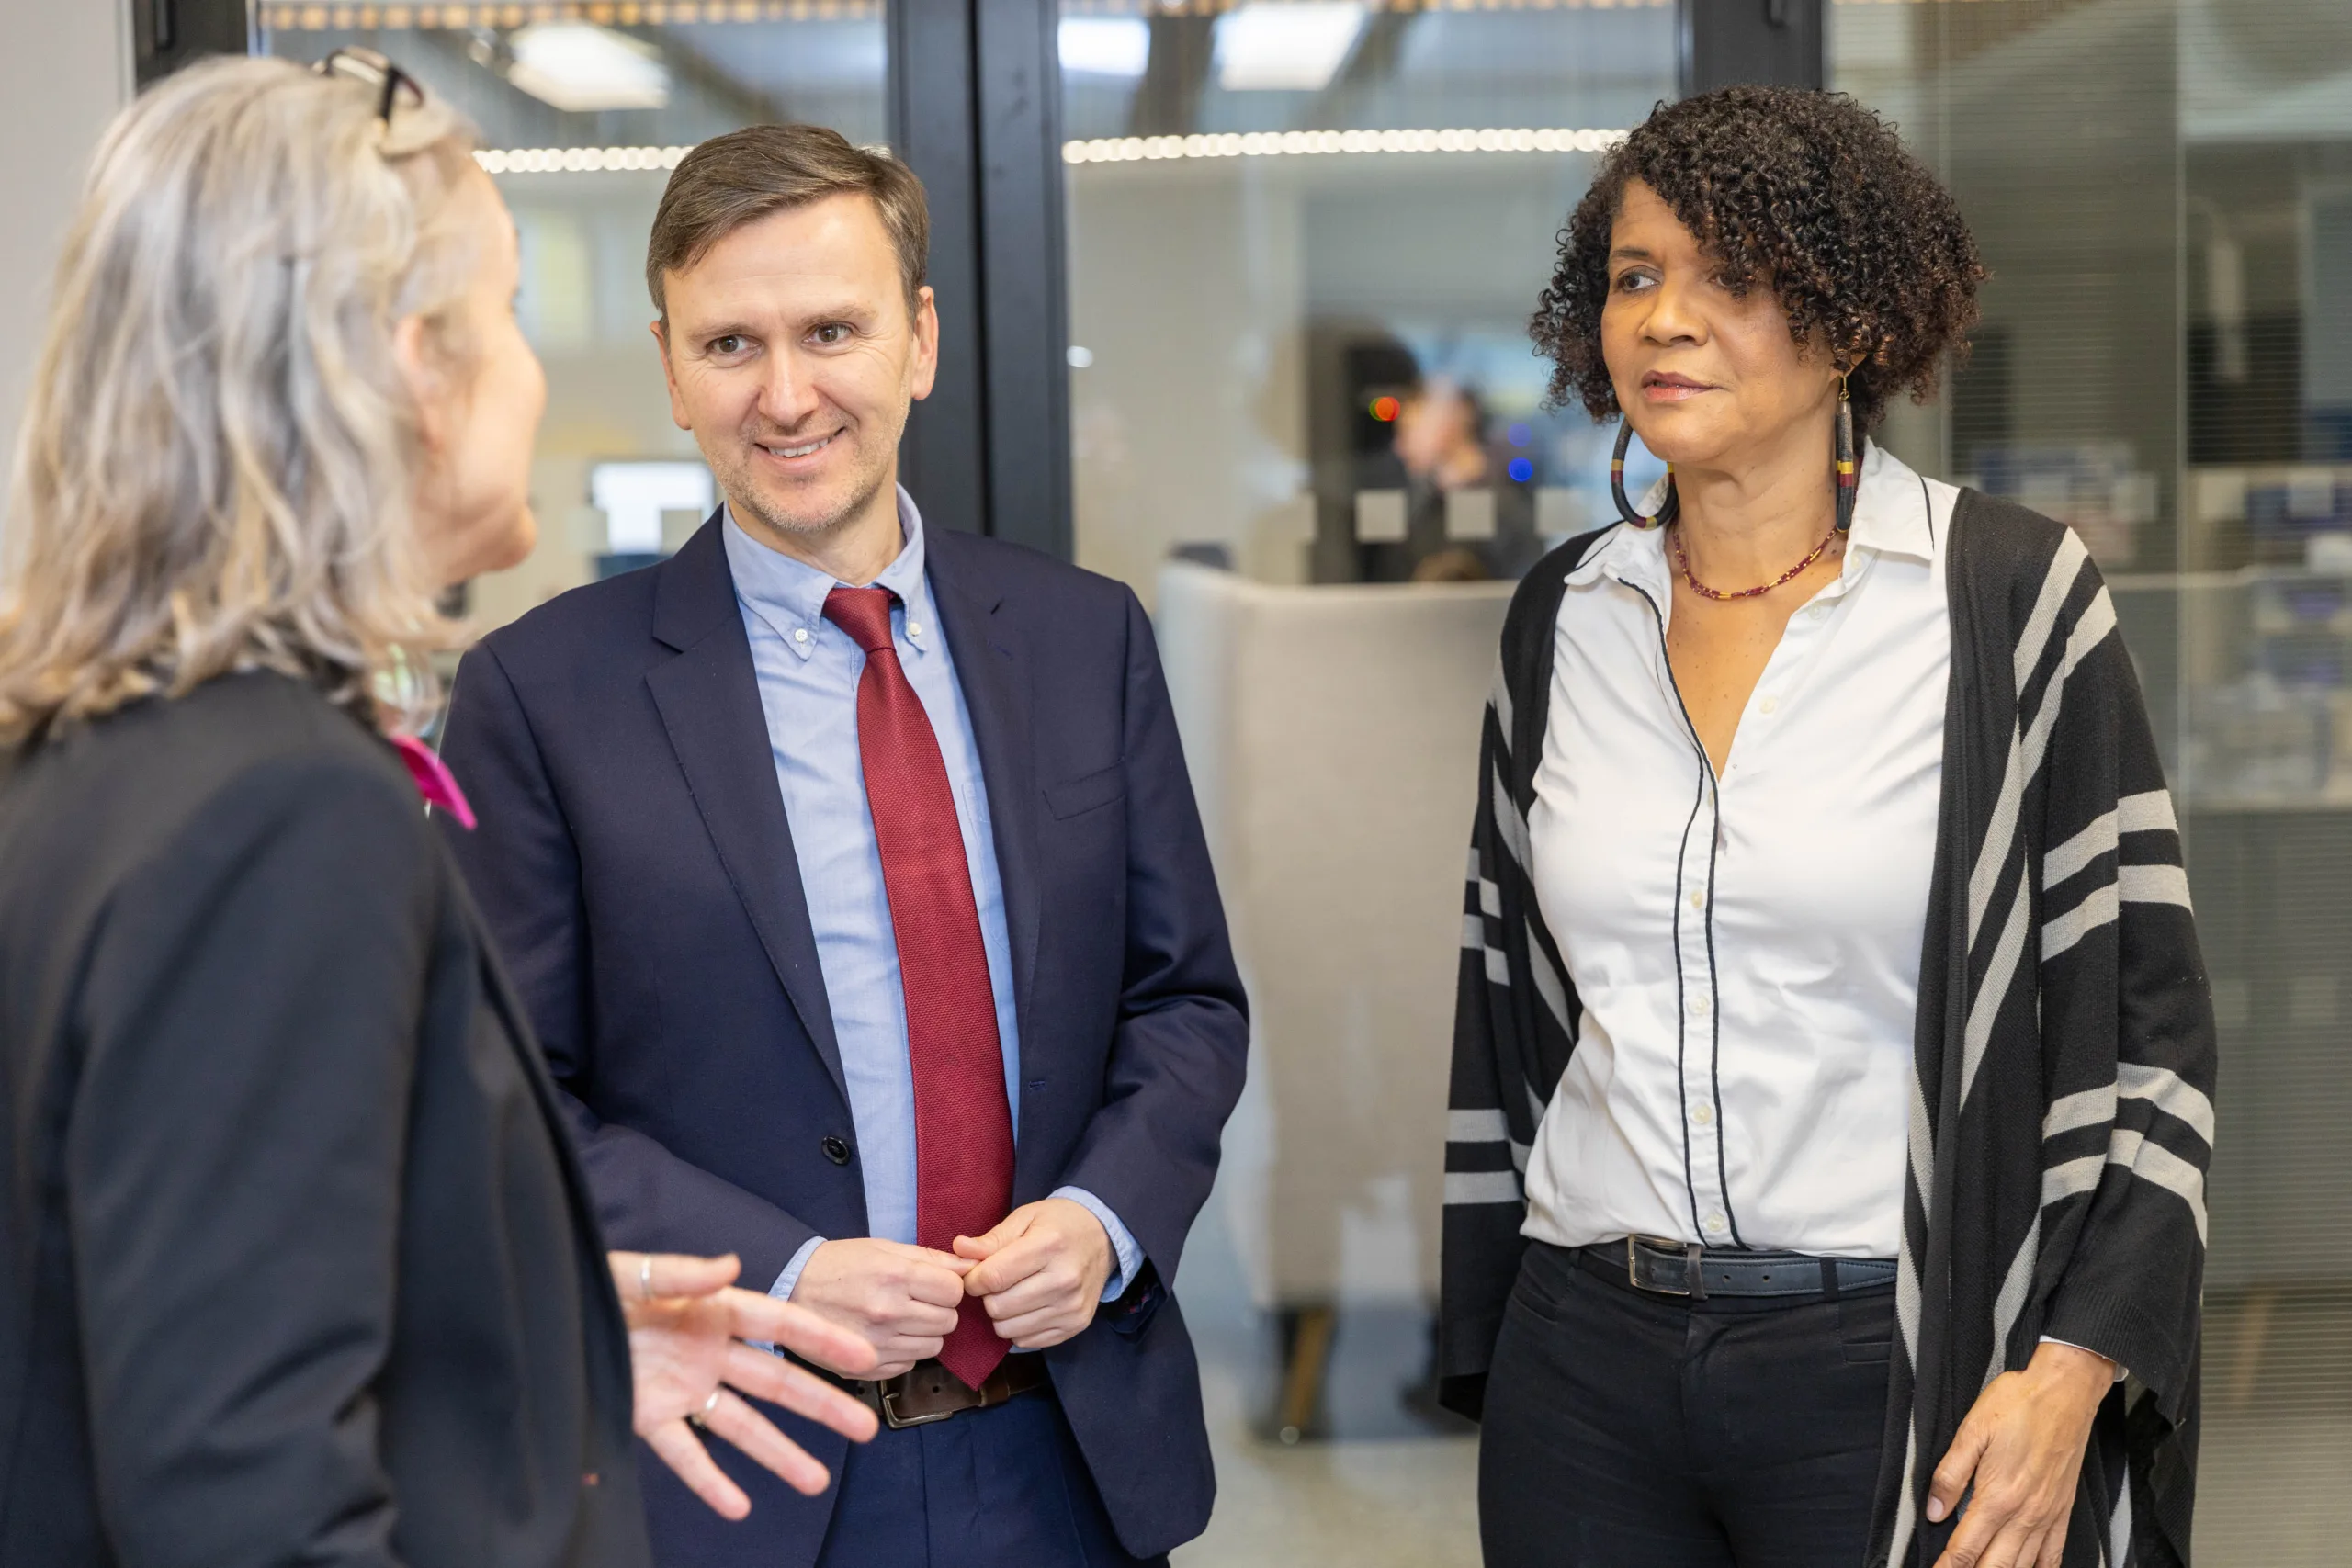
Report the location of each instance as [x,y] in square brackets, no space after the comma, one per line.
[897,1423]
[1690,1250]
[883,1400]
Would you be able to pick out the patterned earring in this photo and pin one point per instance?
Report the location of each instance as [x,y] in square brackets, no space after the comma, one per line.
[1666,514]
[1849,478]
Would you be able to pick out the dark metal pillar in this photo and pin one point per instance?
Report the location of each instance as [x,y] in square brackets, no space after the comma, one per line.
[975,101]
[168,34]
[1778,43]
[1024,264]
[944,460]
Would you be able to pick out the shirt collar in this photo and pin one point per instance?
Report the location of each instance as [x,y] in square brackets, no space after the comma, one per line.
[1635,557]
[1891,508]
[1890,518]
[790,594]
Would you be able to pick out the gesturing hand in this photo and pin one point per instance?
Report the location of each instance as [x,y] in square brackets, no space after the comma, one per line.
[2023,1445]
[686,1329]
[1040,1272]
[899,1299]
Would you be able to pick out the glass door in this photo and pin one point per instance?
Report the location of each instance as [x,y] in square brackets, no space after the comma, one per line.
[584,108]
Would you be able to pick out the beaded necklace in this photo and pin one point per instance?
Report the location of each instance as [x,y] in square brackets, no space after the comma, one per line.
[1683,562]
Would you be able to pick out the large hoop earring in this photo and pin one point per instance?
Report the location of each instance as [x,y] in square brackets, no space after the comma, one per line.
[1666,514]
[1850,477]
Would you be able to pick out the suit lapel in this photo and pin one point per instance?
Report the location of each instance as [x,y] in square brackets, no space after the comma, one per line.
[992,665]
[709,700]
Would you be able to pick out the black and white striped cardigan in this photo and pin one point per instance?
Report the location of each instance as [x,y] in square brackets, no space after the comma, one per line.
[2061,1119]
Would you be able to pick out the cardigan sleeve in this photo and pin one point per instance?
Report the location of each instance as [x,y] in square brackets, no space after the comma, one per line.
[1513,1014]
[1486,1202]
[2129,1032]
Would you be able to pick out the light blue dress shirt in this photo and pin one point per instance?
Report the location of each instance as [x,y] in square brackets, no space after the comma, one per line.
[808,671]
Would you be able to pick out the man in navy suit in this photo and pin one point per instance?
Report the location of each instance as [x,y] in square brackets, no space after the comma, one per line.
[853,877]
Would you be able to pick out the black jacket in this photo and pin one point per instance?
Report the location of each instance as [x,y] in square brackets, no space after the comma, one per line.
[2065,1053]
[296,1265]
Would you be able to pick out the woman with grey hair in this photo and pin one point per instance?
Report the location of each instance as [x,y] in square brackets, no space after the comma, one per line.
[299,1265]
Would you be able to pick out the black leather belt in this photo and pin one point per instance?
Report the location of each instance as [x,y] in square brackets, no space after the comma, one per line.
[1686,1268]
[928,1392]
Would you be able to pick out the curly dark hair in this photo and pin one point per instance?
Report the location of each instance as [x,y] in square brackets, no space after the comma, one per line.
[1809,194]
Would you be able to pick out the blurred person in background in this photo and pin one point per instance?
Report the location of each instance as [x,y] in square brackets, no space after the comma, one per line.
[298,1263]
[1832,1078]
[1442,442]
[1441,435]
[1445,440]
[852,874]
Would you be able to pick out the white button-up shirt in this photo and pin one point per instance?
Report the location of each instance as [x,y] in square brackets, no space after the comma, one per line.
[1746,948]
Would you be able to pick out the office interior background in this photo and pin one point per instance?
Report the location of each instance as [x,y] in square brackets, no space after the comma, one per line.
[1234,295]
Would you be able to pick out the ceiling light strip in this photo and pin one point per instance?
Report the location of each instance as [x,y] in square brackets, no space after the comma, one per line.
[279,16]
[576,160]
[1218,7]
[290,15]
[1311,143]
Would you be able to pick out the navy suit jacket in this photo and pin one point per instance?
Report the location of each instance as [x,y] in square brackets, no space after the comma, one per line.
[635,862]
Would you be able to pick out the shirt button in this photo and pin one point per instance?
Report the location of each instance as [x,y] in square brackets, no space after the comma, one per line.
[1702,1114]
[914,628]
[836,1149]
[1768,704]
[1716,1222]
[1699,898]
[1698,1006]
[801,634]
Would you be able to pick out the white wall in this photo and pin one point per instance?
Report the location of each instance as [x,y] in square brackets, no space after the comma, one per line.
[65,70]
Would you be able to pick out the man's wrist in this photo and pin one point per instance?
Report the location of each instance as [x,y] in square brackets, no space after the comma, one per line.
[787,1281]
[1127,1254]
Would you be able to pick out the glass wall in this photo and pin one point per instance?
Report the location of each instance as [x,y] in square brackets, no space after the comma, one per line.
[2163,190]
[1305,238]
[582,109]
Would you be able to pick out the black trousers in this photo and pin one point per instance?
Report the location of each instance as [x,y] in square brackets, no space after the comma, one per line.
[1624,1429]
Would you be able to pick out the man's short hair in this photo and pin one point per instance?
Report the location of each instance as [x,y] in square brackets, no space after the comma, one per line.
[744,175]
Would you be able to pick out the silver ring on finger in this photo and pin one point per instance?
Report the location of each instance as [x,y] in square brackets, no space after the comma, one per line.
[702,1417]
[645,1276]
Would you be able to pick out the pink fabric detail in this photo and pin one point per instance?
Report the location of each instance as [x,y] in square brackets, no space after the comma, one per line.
[433,780]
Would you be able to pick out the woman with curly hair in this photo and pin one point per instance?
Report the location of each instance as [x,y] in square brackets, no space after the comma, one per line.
[1833,1062]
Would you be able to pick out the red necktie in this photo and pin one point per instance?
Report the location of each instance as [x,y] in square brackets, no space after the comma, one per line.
[962,1127]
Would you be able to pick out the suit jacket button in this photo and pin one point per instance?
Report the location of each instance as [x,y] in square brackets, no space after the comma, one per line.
[836,1149]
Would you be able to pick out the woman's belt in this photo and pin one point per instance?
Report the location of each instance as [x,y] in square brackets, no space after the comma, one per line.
[1686,1268]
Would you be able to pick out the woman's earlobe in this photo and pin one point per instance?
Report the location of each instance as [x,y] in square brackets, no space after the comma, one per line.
[422,380]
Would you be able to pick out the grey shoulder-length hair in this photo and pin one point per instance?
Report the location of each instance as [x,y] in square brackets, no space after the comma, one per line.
[219,456]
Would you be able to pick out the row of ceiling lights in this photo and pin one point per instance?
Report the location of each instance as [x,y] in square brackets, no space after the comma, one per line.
[1266,143]
[309,15]
[281,16]
[1116,150]
[576,160]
